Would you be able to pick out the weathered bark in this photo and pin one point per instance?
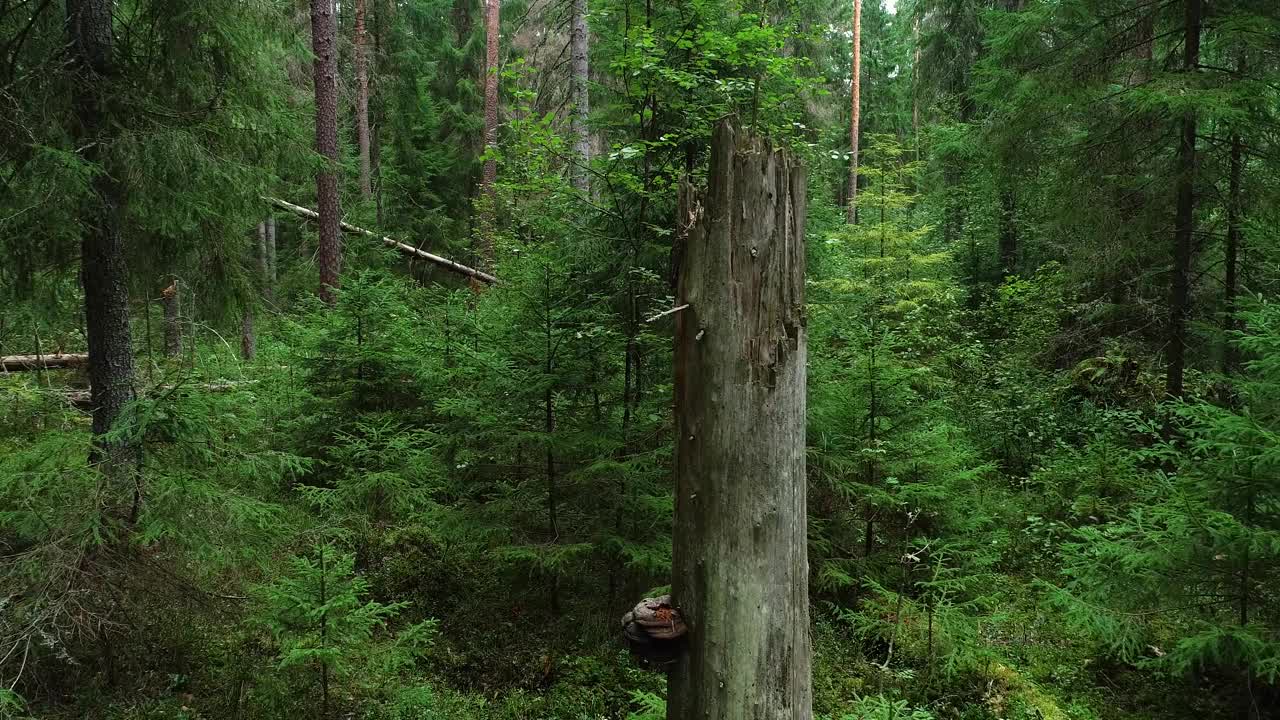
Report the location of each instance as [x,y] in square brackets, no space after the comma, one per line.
[61,361]
[362,101]
[324,33]
[102,259]
[581,97]
[1184,226]
[856,112]
[171,300]
[740,569]
[389,242]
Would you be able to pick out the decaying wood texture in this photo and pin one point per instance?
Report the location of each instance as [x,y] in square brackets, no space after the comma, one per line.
[19,363]
[740,567]
[390,242]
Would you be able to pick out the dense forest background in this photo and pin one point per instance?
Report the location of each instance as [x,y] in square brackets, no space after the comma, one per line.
[337,478]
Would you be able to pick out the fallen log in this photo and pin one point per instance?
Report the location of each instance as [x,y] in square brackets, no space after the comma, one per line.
[60,361]
[82,398]
[407,249]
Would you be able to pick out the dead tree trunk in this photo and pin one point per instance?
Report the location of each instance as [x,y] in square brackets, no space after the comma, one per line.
[740,568]
[61,361]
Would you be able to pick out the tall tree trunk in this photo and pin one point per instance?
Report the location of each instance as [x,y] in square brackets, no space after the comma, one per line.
[1184,226]
[490,174]
[490,91]
[740,568]
[581,98]
[102,260]
[1235,217]
[382,19]
[1231,283]
[856,108]
[272,271]
[324,33]
[553,499]
[915,86]
[248,336]
[262,259]
[362,102]
[265,260]
[1143,48]
[1008,228]
[549,427]
[171,299]
[870,469]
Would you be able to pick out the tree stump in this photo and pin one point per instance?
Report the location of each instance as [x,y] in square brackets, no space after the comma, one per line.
[740,570]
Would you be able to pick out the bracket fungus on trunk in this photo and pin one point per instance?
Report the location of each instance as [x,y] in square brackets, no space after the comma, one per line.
[655,630]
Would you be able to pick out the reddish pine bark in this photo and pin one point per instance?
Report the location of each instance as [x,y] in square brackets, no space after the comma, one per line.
[362,102]
[171,300]
[324,32]
[491,90]
[856,108]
